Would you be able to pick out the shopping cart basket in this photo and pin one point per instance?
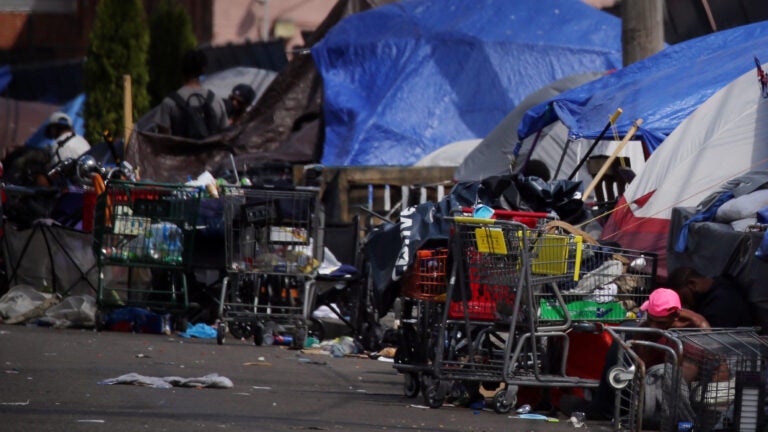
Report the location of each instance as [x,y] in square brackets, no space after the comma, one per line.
[713,379]
[423,294]
[273,241]
[150,226]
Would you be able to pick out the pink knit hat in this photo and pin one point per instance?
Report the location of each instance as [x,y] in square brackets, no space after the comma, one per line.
[662,302]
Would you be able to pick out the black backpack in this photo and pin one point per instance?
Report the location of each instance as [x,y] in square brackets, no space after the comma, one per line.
[197,118]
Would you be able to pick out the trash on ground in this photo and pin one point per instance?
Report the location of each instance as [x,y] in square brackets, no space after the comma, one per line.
[257,363]
[209,381]
[200,330]
[15,403]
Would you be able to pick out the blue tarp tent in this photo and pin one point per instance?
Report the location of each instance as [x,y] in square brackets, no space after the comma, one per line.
[663,89]
[406,78]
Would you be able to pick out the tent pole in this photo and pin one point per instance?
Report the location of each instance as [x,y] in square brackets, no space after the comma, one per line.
[611,121]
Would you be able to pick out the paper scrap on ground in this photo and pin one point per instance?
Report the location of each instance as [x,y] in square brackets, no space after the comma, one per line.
[15,403]
[210,381]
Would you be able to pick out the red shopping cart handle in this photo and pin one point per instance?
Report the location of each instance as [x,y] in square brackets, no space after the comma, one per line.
[510,214]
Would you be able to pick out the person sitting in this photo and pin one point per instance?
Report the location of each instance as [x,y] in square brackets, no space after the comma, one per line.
[663,311]
[66,143]
[718,299]
[238,102]
[192,111]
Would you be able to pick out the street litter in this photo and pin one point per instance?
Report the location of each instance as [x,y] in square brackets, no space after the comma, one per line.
[312,362]
[200,330]
[210,381]
[531,416]
[90,421]
[15,403]
[258,363]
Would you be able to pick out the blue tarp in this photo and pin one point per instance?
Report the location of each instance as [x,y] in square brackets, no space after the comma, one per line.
[5,77]
[406,78]
[74,109]
[663,89]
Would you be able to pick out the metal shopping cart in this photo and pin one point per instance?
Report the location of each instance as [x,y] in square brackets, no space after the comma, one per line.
[150,226]
[423,294]
[713,379]
[273,241]
[516,295]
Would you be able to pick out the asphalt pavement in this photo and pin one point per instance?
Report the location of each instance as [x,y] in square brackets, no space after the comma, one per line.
[50,381]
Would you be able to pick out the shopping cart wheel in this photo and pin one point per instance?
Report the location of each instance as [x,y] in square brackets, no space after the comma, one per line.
[503,402]
[258,333]
[299,338]
[411,384]
[100,320]
[434,392]
[619,377]
[221,332]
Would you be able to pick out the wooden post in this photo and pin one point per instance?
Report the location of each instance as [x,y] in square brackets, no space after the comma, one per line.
[127,109]
[642,29]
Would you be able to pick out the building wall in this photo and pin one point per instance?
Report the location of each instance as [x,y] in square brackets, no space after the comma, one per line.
[45,30]
[33,31]
[237,20]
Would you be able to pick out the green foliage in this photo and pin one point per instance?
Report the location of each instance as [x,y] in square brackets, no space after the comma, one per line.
[118,45]
[171,36]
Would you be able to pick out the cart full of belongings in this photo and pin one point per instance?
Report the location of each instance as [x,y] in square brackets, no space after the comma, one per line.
[426,228]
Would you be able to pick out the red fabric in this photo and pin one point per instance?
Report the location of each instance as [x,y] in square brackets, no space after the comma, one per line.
[638,233]
[89,204]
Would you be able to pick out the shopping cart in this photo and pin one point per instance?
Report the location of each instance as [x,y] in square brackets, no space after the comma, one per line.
[151,226]
[712,379]
[273,242]
[423,294]
[516,295]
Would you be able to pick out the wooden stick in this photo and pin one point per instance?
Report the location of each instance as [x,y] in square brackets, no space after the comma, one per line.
[609,161]
[127,110]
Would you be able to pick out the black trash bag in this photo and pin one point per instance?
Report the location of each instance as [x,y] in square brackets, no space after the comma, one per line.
[501,192]
[557,196]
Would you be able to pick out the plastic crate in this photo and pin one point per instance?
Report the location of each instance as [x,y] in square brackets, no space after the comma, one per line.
[427,278]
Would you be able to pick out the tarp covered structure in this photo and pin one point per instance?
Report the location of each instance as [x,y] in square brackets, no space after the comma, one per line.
[724,138]
[404,79]
[493,156]
[663,89]
[284,125]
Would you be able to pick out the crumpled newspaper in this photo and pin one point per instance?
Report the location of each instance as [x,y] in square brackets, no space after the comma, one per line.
[210,381]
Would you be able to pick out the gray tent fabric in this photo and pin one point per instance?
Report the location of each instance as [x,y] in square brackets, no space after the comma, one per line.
[493,155]
[52,257]
[452,154]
